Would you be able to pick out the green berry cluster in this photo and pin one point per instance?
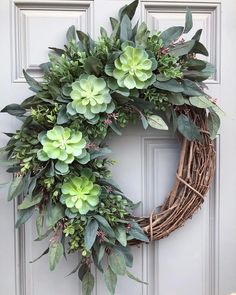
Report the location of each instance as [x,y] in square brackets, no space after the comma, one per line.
[74,229]
[169,67]
[113,207]
[154,43]
[159,99]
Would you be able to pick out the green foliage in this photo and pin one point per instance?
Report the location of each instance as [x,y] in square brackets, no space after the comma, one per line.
[91,89]
[87,283]
[55,254]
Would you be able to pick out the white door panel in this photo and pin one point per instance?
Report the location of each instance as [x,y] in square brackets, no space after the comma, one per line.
[198,259]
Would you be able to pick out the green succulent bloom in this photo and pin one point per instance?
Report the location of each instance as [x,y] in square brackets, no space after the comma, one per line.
[63,144]
[90,97]
[80,194]
[134,68]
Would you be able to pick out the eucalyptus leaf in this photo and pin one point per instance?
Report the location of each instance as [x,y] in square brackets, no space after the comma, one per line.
[190,88]
[126,251]
[144,121]
[120,232]
[71,33]
[105,226]
[23,216]
[39,224]
[74,270]
[115,128]
[138,234]
[128,10]
[14,109]
[62,116]
[195,64]
[114,22]
[170,85]
[28,202]
[110,280]
[55,254]
[131,276]
[117,263]
[188,21]
[101,252]
[157,122]
[44,253]
[188,128]
[176,98]
[142,35]
[16,188]
[34,85]
[171,34]
[82,270]
[200,49]
[201,102]
[125,29]
[100,153]
[197,35]
[213,121]
[54,214]
[90,234]
[87,283]
[182,48]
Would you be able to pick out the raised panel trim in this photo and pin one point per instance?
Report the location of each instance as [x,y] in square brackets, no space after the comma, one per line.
[212,8]
[20,9]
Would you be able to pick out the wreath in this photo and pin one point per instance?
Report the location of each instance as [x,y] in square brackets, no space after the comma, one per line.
[59,155]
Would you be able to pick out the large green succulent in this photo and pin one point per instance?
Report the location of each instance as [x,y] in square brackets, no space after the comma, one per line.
[90,97]
[80,194]
[134,68]
[63,144]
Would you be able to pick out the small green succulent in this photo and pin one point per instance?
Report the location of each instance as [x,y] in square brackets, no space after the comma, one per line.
[63,144]
[134,68]
[90,97]
[80,194]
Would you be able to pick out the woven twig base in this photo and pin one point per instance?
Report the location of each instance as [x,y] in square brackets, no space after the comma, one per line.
[193,179]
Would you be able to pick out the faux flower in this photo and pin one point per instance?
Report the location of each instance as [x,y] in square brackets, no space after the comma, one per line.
[134,68]
[90,97]
[80,194]
[62,144]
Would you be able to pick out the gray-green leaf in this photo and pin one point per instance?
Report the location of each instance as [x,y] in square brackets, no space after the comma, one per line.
[182,48]
[188,21]
[170,85]
[201,102]
[120,232]
[54,214]
[131,276]
[16,188]
[23,216]
[111,280]
[28,202]
[90,234]
[171,34]
[157,122]
[188,128]
[213,124]
[116,261]
[55,254]
[87,283]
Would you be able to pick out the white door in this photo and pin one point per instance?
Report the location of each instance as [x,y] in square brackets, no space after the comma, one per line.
[198,259]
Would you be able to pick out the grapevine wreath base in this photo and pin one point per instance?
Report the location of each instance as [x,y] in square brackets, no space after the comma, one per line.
[91,89]
[193,178]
